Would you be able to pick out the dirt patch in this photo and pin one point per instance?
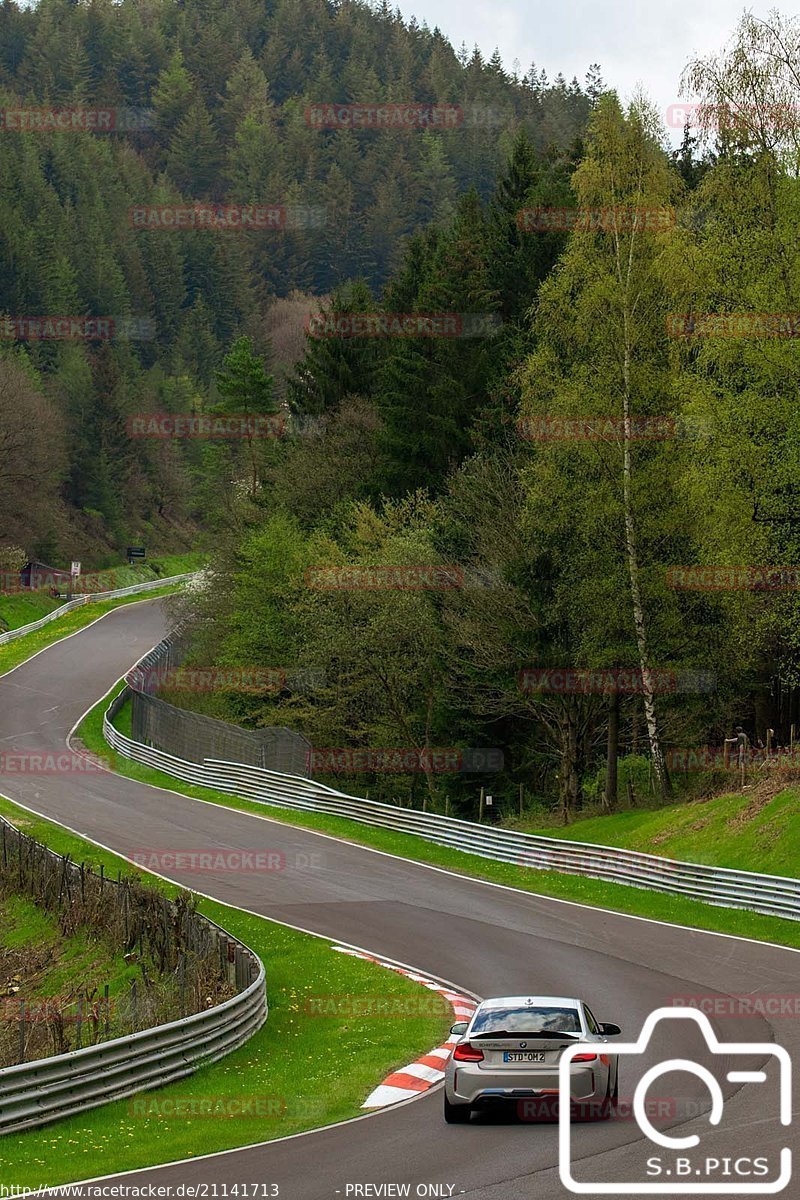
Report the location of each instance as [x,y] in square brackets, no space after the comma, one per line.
[762,794]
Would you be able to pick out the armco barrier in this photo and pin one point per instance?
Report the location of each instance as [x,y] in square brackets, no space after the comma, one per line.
[774,895]
[150,586]
[194,736]
[36,1093]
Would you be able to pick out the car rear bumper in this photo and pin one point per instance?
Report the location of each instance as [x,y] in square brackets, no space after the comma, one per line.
[470,1085]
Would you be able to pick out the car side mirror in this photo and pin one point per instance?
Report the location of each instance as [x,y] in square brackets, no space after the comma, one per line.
[609,1028]
[459,1028]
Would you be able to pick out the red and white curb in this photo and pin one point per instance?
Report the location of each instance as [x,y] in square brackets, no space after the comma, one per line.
[429,1069]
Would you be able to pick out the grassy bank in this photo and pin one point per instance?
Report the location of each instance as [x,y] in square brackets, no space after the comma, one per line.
[754,830]
[22,608]
[304,1069]
[635,901]
[54,977]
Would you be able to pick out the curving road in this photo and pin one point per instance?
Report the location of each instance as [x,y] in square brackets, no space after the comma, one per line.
[486,939]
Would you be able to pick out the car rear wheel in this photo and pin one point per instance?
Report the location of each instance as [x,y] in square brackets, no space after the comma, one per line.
[456,1114]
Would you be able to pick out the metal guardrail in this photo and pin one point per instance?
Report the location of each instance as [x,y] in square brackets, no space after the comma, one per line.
[36,1093]
[773,895]
[150,586]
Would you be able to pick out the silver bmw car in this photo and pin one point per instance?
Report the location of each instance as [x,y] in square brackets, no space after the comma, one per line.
[510,1051]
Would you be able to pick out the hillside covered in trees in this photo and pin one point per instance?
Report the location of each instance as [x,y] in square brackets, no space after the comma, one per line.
[208,104]
[570,540]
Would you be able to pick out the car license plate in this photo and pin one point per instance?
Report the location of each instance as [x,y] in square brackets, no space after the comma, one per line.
[523,1056]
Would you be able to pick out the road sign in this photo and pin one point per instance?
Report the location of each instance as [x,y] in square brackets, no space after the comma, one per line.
[136,552]
[75,570]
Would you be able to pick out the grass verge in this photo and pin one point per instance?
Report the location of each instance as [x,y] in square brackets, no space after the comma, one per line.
[617,897]
[755,830]
[22,608]
[303,1069]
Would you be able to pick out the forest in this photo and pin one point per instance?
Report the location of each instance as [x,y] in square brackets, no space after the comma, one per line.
[526,511]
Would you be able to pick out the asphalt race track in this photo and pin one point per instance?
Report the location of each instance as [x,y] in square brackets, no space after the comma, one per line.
[488,940]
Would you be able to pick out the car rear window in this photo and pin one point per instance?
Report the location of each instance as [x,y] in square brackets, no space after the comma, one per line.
[527,1019]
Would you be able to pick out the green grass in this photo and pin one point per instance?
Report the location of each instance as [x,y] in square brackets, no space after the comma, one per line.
[309,1070]
[751,830]
[63,964]
[635,901]
[22,608]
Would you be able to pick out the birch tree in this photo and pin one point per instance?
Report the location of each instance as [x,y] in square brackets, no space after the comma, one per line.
[603,355]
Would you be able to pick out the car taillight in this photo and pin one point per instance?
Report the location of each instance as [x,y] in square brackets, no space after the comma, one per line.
[584,1058]
[464,1052]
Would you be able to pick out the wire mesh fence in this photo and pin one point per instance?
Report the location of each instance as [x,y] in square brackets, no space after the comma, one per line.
[194,736]
[177,963]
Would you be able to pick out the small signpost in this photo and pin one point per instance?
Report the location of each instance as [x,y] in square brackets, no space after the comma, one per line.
[136,553]
[74,573]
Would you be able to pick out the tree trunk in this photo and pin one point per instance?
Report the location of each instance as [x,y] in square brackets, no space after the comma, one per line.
[612,753]
[648,693]
[568,776]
